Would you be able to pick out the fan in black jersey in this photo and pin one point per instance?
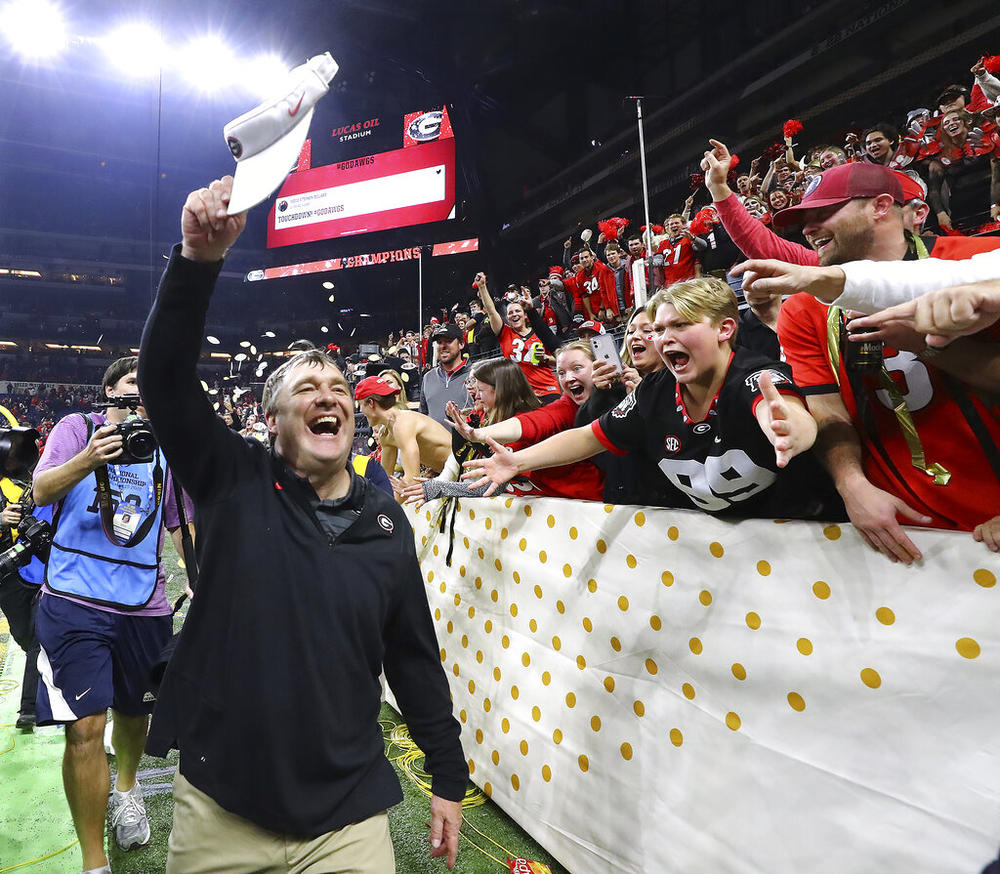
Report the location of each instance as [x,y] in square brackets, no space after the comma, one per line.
[720,425]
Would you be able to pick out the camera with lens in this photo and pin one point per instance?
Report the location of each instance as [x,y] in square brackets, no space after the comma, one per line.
[18,456]
[138,441]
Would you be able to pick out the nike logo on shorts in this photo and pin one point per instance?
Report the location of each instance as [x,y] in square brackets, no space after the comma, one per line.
[84,692]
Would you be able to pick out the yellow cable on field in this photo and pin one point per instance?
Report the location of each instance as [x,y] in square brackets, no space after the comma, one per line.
[40,858]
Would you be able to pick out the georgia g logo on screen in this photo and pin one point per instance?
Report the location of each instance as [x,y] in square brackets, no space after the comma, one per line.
[426,127]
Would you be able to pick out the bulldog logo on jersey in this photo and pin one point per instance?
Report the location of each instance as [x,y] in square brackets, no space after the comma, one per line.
[753,380]
[622,410]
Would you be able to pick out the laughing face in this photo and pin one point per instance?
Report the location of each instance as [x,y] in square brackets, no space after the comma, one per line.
[313,421]
[639,343]
[691,350]
[576,374]
[515,316]
[840,233]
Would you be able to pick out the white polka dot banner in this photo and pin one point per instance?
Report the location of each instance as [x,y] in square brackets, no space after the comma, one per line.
[660,691]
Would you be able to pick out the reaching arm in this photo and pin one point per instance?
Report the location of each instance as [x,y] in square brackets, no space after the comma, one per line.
[54,483]
[785,422]
[496,323]
[566,447]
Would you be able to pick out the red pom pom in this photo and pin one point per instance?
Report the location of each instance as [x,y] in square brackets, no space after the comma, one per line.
[735,162]
[657,229]
[952,232]
[612,227]
[702,222]
[773,151]
[989,226]
[697,181]
[992,63]
[791,127]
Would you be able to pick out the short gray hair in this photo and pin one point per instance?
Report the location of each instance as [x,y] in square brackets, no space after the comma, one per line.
[273,386]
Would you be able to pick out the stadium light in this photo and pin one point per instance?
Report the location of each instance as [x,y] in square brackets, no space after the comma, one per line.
[34,28]
[208,63]
[263,75]
[135,48]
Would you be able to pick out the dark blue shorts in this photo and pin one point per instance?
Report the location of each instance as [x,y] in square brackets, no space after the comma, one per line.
[91,660]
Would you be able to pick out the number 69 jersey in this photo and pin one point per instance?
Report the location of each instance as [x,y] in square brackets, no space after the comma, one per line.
[724,463]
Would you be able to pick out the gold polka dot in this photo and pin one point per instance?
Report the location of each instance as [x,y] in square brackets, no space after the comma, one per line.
[488,789]
[488,523]
[592,585]
[667,578]
[602,547]
[631,560]
[454,669]
[543,557]
[479,582]
[595,722]
[472,514]
[435,549]
[479,735]
[488,626]
[739,671]
[472,687]
[640,518]
[479,656]
[556,643]
[444,588]
[655,622]
[498,564]
[796,701]
[688,691]
[550,520]
[465,540]
[516,577]
[753,621]
[763,568]
[870,677]
[608,508]
[804,646]
[584,763]
[525,659]
[495,756]
[546,678]
[536,713]
[705,597]
[430,577]
[461,570]
[676,738]
[651,666]
[458,600]
[622,603]
[694,644]
[496,674]
[503,533]
[538,591]
[581,662]
[487,705]
[885,616]
[588,626]
[513,609]
[472,612]
[465,641]
[533,625]
[573,533]
[527,510]
[522,544]
[524,748]
[560,607]
[444,655]
[437,613]
[482,552]
[570,700]
[716,549]
[733,721]
[508,502]
[986,579]
[546,773]
[450,626]
[967,648]
[514,692]
[616,644]
[505,641]
[557,736]
[639,708]
[626,751]
[672,532]
[609,684]
[832,532]
[567,571]
[423,540]
[821,590]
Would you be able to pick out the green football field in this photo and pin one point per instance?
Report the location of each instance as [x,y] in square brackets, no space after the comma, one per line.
[36,833]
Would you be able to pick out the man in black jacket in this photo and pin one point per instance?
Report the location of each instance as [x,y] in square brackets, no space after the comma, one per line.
[309,585]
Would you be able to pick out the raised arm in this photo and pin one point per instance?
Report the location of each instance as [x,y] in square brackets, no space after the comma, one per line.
[496,323]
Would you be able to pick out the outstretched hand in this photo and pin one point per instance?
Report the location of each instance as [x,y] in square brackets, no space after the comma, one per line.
[457,421]
[778,278]
[207,229]
[496,470]
[790,432]
[716,165]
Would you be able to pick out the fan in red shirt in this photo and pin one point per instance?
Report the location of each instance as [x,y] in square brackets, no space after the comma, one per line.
[867,417]
[680,253]
[594,289]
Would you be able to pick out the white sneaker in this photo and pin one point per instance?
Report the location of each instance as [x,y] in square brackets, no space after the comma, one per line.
[128,818]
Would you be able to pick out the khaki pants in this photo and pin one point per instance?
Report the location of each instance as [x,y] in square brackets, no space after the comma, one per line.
[205,839]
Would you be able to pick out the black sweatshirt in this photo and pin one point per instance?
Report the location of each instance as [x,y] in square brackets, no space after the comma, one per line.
[272,695]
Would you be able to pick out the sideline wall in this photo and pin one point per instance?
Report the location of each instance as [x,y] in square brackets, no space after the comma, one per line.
[650,690]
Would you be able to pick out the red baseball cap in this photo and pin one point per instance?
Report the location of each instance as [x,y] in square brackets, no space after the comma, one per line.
[373,385]
[913,189]
[591,325]
[839,185]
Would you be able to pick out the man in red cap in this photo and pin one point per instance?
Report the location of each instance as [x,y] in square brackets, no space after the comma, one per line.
[900,435]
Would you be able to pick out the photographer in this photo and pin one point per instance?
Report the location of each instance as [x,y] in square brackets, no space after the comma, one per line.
[103,617]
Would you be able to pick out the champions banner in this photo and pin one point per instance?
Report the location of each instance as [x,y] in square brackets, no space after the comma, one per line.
[371,193]
[649,690]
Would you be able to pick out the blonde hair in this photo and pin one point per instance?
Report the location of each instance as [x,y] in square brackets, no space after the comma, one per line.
[576,346]
[401,397]
[697,299]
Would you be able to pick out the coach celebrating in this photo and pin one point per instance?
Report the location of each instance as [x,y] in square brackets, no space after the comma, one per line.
[309,585]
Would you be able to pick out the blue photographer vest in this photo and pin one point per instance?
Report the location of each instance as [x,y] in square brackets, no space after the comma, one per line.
[84,563]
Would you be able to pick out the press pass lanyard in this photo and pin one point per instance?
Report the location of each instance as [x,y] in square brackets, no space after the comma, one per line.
[107,510]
